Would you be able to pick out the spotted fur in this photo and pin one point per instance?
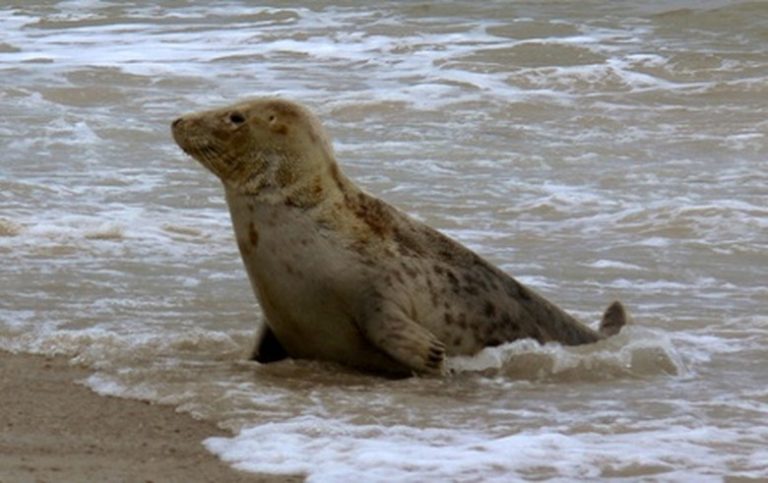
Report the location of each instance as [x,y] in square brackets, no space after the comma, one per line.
[342,275]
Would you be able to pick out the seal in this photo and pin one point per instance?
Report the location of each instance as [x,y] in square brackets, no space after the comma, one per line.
[343,276]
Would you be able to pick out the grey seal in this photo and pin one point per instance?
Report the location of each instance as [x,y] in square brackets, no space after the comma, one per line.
[343,276]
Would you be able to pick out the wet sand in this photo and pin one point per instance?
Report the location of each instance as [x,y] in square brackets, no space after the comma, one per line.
[53,429]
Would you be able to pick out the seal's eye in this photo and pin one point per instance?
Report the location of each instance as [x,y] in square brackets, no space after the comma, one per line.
[236,118]
[272,118]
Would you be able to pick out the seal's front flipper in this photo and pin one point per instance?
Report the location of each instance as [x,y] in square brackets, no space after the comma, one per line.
[407,342]
[614,318]
[268,348]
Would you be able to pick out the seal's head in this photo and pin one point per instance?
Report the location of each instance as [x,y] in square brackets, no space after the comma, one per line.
[258,147]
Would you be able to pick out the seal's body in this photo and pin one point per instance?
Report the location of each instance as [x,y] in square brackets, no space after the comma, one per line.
[342,275]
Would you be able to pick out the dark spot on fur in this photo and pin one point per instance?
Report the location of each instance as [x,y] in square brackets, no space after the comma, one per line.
[281,129]
[253,235]
[307,196]
[506,319]
[493,284]
[448,319]
[476,282]
[477,260]
[453,280]
[490,309]
[457,341]
[372,212]
[407,242]
[360,245]
[336,175]
[432,292]
[471,290]
[409,270]
[399,276]
[463,321]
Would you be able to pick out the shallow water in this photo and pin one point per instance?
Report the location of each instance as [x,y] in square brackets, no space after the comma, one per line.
[595,150]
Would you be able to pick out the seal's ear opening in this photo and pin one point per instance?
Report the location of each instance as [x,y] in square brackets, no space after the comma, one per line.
[614,318]
[237,118]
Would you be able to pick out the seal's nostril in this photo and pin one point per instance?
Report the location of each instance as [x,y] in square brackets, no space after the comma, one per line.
[176,122]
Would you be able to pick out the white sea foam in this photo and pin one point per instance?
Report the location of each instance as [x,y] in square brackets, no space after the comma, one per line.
[328,451]
[614,264]
[633,353]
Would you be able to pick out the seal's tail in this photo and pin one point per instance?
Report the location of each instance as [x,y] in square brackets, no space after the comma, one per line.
[614,318]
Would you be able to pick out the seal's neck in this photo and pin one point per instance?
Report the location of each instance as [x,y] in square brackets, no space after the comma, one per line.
[328,186]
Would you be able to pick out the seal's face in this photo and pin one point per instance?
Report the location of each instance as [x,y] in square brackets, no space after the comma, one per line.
[256,145]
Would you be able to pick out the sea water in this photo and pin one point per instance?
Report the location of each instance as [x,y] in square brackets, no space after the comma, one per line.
[595,150]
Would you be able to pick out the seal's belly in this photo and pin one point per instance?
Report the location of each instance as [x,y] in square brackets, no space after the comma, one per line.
[311,321]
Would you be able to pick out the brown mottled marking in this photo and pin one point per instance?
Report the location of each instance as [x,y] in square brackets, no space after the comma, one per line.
[286,174]
[253,235]
[372,212]
[281,129]
[432,292]
[306,196]
[399,277]
[407,245]
[453,281]
[409,270]
[289,268]
[337,177]
[463,321]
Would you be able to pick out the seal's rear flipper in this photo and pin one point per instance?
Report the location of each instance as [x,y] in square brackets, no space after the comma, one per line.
[268,348]
[614,318]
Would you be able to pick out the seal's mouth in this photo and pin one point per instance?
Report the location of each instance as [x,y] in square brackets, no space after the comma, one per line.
[180,131]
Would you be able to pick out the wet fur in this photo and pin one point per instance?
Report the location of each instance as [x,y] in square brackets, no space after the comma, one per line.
[344,276]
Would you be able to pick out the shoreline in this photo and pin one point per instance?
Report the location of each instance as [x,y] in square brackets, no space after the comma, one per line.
[54,429]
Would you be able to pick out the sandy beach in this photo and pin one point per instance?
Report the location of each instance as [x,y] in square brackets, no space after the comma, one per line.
[54,429]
